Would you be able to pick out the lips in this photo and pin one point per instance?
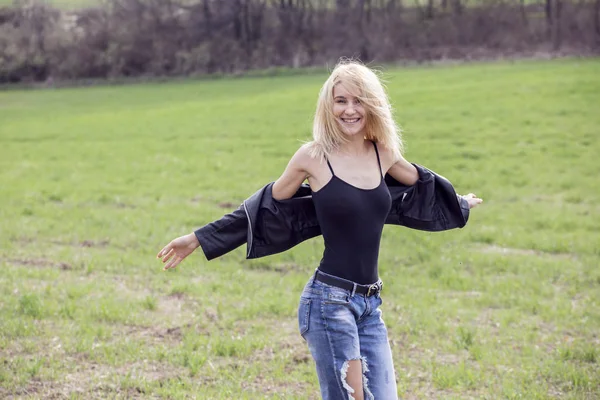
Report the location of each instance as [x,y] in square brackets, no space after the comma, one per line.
[350,120]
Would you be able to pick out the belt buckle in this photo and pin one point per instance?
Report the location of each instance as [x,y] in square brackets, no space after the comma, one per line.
[376,287]
[373,287]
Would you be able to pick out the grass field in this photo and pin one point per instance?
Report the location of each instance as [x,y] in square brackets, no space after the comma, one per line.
[94,181]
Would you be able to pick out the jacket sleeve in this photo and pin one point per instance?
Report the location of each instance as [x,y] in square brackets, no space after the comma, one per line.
[464,207]
[431,204]
[223,235]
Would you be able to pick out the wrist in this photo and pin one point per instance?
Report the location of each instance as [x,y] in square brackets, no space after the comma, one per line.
[194,240]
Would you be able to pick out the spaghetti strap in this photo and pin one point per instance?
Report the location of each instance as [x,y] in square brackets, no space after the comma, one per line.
[378,160]
[329,165]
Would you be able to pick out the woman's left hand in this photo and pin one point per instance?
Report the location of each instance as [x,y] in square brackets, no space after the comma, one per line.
[472,200]
[178,249]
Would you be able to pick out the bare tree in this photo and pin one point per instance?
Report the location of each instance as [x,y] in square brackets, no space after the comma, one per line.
[597,20]
[553,11]
[553,19]
[178,37]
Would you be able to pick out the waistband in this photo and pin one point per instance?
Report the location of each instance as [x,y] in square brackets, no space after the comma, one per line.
[367,290]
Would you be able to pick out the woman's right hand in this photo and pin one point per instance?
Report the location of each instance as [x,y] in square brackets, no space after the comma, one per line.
[178,249]
[473,200]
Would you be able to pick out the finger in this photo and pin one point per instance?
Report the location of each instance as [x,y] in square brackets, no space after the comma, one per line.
[475,202]
[173,263]
[164,251]
[168,265]
[167,256]
[177,261]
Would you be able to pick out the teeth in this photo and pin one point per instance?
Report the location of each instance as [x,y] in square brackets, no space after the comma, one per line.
[351,121]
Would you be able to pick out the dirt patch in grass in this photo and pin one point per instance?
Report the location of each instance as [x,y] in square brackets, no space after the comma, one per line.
[87,243]
[172,304]
[171,323]
[176,295]
[154,334]
[289,346]
[38,262]
[84,243]
[486,320]
[23,240]
[289,341]
[168,335]
[94,243]
[414,371]
[79,375]
[228,205]
[99,381]
[265,386]
[120,204]
[283,268]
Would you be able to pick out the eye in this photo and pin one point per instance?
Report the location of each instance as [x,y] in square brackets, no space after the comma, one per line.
[340,101]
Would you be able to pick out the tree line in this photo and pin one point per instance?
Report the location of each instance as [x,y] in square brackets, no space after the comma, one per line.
[139,38]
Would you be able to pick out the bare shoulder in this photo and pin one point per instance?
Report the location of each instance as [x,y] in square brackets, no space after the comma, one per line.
[295,173]
[304,157]
[303,151]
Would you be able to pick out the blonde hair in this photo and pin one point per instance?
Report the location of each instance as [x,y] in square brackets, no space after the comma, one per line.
[380,125]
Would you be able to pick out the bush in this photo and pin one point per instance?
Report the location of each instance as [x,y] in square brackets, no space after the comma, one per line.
[138,38]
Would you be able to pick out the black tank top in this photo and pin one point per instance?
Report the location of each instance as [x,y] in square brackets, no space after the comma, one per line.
[351,221]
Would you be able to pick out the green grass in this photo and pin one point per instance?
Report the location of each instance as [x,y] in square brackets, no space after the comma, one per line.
[94,181]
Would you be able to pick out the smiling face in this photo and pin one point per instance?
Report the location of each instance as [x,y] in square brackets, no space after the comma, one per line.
[353,104]
[348,111]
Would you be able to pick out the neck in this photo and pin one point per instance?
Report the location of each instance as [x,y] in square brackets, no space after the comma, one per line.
[355,146]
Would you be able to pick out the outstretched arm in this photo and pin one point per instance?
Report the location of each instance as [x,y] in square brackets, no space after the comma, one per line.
[407,174]
[295,173]
[232,224]
[404,172]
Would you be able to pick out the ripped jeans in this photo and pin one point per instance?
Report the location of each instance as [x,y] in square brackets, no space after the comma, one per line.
[339,327]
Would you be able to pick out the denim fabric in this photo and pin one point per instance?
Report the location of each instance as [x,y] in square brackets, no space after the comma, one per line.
[340,326]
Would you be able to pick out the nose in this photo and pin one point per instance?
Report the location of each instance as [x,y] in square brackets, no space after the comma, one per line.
[349,109]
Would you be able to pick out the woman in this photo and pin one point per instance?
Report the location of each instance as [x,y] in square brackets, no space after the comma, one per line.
[355,144]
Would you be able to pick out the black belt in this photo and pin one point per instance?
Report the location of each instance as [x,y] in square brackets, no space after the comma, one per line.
[368,290]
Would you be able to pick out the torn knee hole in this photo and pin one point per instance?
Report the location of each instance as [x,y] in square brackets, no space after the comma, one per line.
[354,379]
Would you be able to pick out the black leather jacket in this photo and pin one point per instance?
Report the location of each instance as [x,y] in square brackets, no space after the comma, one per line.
[271,226]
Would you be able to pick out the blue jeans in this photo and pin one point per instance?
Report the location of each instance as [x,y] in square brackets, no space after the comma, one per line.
[338,327]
